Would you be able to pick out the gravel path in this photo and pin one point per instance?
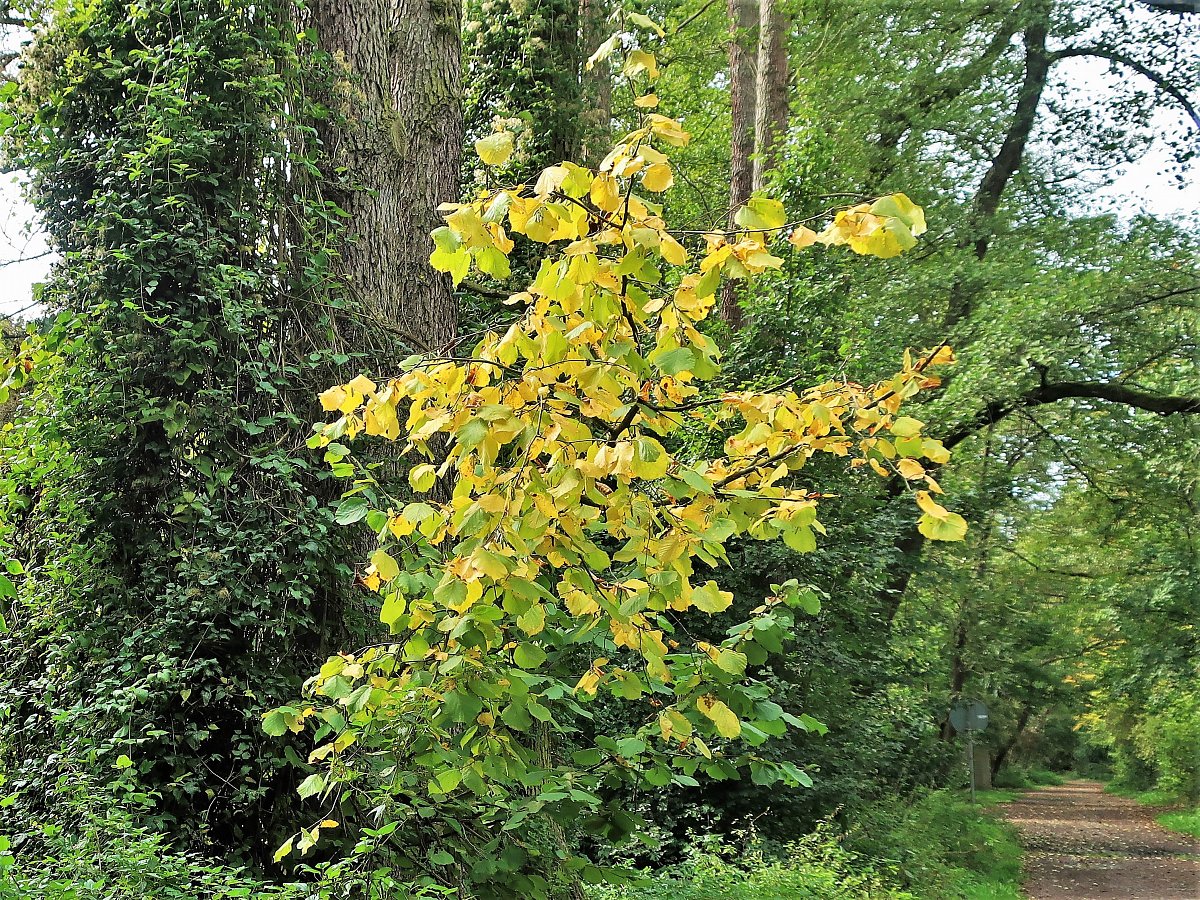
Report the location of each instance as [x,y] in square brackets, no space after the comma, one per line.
[1084,844]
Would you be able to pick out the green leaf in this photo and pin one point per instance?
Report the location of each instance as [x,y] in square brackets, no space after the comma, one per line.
[950,527]
[529,656]
[351,510]
[311,785]
[275,723]
[710,598]
[471,435]
[681,359]
[394,606]
[731,661]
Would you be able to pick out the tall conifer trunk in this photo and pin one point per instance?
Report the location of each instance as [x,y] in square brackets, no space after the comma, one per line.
[392,153]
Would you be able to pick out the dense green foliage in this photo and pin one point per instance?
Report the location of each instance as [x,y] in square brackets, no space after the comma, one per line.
[176,559]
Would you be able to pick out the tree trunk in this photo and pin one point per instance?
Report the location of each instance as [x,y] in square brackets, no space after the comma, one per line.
[1006,748]
[743,42]
[391,154]
[597,84]
[771,89]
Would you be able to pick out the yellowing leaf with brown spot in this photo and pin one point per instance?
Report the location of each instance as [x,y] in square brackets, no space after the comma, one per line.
[721,715]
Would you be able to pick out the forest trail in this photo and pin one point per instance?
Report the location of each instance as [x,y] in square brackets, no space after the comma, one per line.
[1084,844]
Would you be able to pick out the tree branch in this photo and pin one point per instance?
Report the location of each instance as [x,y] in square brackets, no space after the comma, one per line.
[1145,71]
[909,543]
[1052,392]
[1006,161]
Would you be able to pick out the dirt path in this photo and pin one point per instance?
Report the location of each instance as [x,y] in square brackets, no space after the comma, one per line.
[1084,844]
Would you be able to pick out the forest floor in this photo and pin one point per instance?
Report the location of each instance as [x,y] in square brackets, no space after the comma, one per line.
[1084,844]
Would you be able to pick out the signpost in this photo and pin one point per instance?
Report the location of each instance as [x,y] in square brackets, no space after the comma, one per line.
[969,716]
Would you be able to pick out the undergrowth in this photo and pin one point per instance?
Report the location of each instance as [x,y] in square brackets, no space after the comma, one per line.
[935,847]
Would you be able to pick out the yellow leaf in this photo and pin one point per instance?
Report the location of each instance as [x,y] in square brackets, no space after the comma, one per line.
[649,101]
[910,468]
[533,620]
[588,682]
[605,192]
[422,477]
[930,506]
[721,715]
[328,823]
[284,850]
[639,61]
[672,251]
[495,149]
[385,565]
[604,51]
[658,178]
[334,398]
[761,214]
[802,236]
[935,452]
[669,130]
[361,384]
[644,21]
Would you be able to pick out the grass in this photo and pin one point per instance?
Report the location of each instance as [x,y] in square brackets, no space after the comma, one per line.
[1181,818]
[994,797]
[1184,821]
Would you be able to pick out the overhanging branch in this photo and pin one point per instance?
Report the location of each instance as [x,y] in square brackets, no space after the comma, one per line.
[1145,71]
[1052,392]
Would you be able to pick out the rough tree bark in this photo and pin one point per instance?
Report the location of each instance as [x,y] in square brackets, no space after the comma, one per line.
[397,136]
[771,89]
[597,84]
[743,43]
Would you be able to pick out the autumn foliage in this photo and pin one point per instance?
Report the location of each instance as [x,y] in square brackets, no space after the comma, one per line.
[565,534]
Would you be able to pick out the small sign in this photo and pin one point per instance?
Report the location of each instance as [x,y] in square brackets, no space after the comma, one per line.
[971,716]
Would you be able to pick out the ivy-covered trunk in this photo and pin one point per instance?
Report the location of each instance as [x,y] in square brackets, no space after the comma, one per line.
[390,156]
[180,568]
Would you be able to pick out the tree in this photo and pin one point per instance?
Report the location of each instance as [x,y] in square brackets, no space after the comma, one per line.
[771,88]
[573,552]
[743,27]
[392,142]
[176,563]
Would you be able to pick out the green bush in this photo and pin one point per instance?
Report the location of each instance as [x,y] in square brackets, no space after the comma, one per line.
[1168,739]
[1025,777]
[110,857]
[941,846]
[818,866]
